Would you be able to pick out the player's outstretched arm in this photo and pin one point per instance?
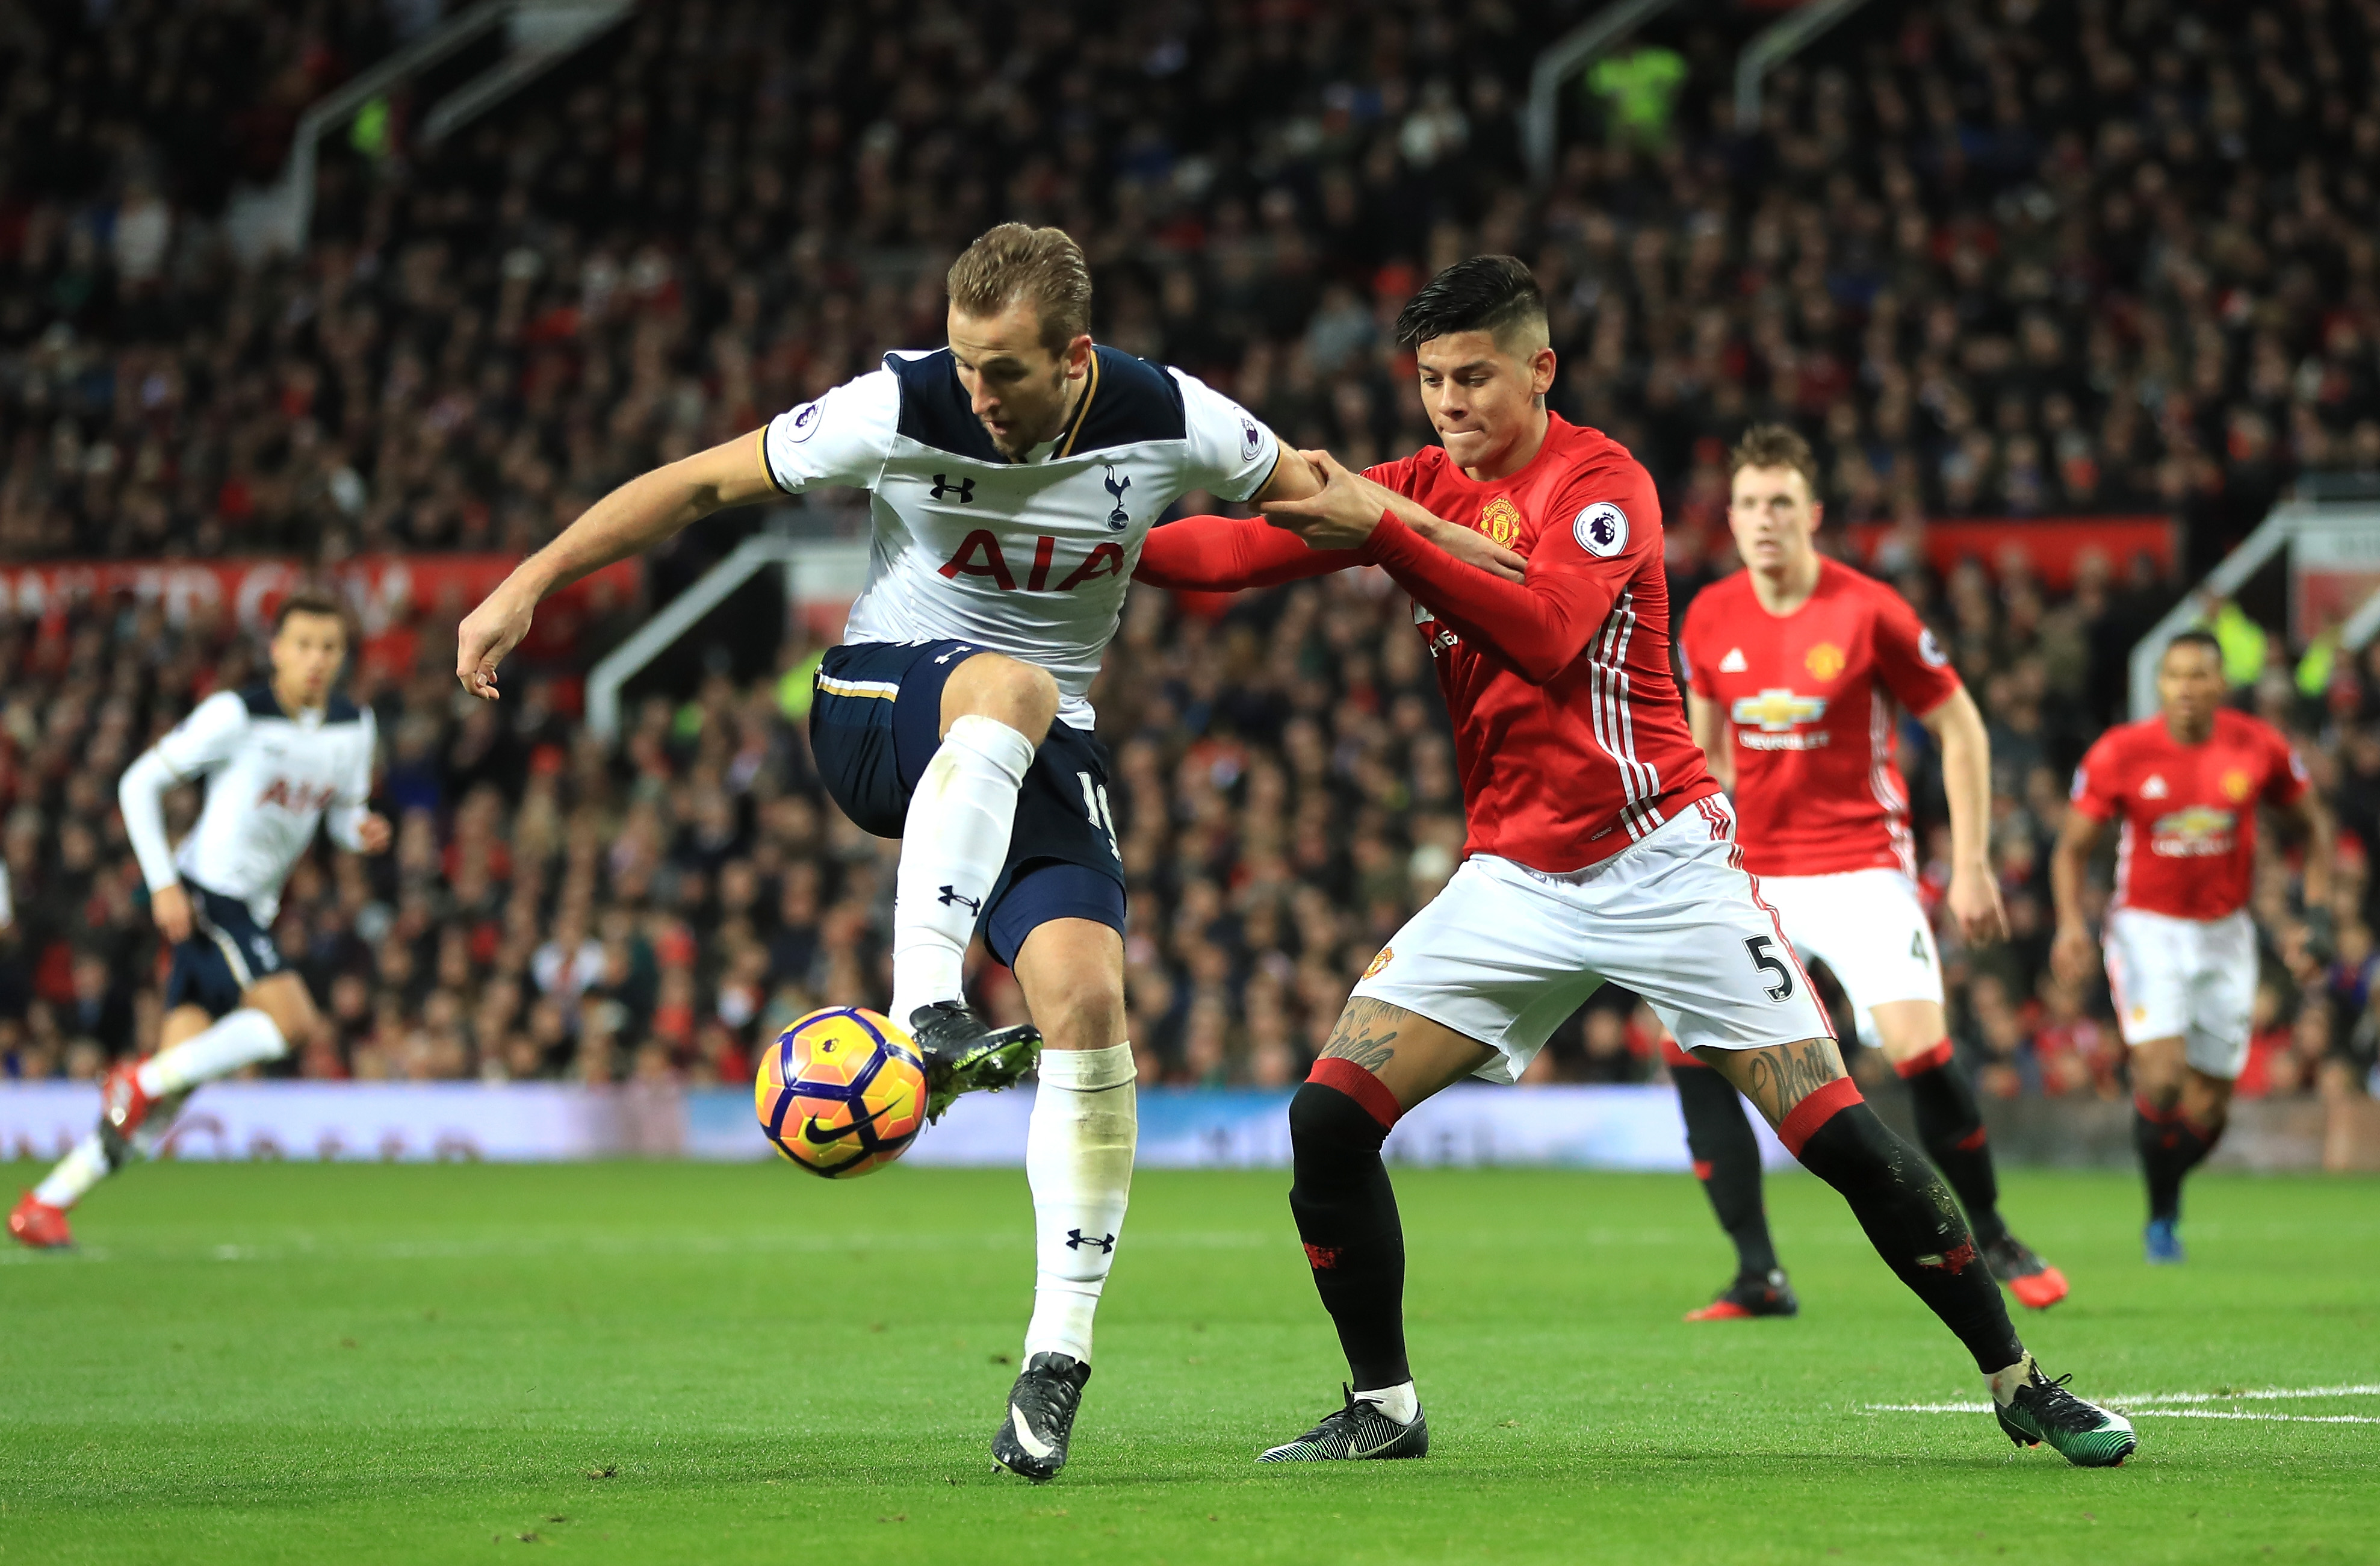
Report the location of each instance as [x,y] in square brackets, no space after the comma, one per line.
[629,520]
[1974,893]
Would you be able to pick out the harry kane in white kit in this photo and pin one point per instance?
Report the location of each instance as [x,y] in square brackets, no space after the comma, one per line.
[1012,478]
[281,760]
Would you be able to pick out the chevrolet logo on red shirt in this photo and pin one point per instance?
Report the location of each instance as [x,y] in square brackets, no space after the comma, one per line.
[1777,710]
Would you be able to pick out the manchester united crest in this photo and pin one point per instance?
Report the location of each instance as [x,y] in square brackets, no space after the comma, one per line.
[1500,520]
[1824,660]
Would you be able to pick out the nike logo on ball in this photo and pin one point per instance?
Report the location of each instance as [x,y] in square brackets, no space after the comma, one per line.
[811,1133]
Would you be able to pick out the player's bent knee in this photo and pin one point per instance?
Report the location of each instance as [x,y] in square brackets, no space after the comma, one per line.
[1087,1016]
[1007,690]
[1326,1122]
[282,997]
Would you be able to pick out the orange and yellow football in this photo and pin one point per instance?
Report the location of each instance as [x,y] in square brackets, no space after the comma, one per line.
[842,1092]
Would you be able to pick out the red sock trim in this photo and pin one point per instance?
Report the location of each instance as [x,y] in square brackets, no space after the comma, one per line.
[1972,1140]
[2151,1113]
[1702,1169]
[1367,1091]
[1801,1121]
[1918,1065]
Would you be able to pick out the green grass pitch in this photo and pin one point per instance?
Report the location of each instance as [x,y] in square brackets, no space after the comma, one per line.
[661,1363]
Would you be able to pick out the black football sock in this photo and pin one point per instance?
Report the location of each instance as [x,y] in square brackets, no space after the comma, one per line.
[2170,1145]
[1346,1213]
[1727,1160]
[1909,1215]
[1950,1129]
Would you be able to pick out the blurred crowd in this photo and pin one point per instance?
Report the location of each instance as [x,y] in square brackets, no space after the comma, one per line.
[1284,793]
[2006,259]
[1999,258]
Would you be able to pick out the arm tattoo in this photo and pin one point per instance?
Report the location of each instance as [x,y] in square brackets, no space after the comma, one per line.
[1777,1079]
[1365,1034]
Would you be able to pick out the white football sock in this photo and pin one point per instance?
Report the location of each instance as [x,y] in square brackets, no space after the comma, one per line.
[2004,1382]
[240,1038]
[82,1168]
[1078,1160]
[1399,1402]
[952,846]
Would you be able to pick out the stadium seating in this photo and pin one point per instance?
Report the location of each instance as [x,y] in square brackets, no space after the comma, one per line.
[2008,260]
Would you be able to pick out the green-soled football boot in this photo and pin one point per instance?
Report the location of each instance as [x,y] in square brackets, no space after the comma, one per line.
[2085,1433]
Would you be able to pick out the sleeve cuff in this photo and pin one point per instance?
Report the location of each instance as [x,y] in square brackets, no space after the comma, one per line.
[1391,543]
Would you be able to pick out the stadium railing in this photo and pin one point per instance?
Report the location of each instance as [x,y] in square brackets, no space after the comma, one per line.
[1777,44]
[1561,63]
[2335,537]
[538,34]
[824,570]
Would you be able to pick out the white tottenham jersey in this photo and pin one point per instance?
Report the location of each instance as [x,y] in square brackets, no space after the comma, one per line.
[1030,558]
[270,778]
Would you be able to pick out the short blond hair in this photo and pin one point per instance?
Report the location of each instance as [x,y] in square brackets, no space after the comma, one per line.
[1016,261]
[1775,445]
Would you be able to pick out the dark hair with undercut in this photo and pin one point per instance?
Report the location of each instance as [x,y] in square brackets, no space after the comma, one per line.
[309,600]
[2194,637]
[1017,261]
[1775,445]
[1490,294]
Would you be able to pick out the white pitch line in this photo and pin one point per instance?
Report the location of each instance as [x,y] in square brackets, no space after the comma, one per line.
[2139,1413]
[2259,1395]
[2242,1413]
[2146,1404]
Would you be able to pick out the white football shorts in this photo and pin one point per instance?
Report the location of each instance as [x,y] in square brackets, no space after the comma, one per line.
[2192,979]
[1869,929]
[1504,954]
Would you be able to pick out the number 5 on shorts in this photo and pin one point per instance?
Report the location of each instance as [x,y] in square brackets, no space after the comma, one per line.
[1766,961]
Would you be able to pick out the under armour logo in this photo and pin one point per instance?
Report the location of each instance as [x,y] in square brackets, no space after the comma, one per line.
[964,489]
[1118,519]
[1077,1240]
[953,897]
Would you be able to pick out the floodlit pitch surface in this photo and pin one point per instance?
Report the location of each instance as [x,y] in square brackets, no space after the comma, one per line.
[643,1363]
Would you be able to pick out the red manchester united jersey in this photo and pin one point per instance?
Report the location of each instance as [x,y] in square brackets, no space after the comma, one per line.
[1807,702]
[1567,761]
[2188,843]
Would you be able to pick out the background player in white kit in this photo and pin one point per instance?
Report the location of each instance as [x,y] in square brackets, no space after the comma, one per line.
[1795,665]
[280,759]
[2182,950]
[1013,476]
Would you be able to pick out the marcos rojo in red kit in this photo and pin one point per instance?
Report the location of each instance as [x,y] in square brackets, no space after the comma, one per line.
[2187,848]
[1568,731]
[1807,699]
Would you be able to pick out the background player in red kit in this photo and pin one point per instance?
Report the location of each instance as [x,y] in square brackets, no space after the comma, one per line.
[1794,668]
[1599,848]
[2182,950]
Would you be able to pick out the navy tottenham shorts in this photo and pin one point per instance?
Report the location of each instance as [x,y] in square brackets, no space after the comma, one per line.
[876,720]
[227,952]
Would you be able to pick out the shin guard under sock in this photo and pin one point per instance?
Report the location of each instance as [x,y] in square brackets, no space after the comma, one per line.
[1727,1160]
[2170,1145]
[1909,1216]
[1346,1214]
[1950,1129]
